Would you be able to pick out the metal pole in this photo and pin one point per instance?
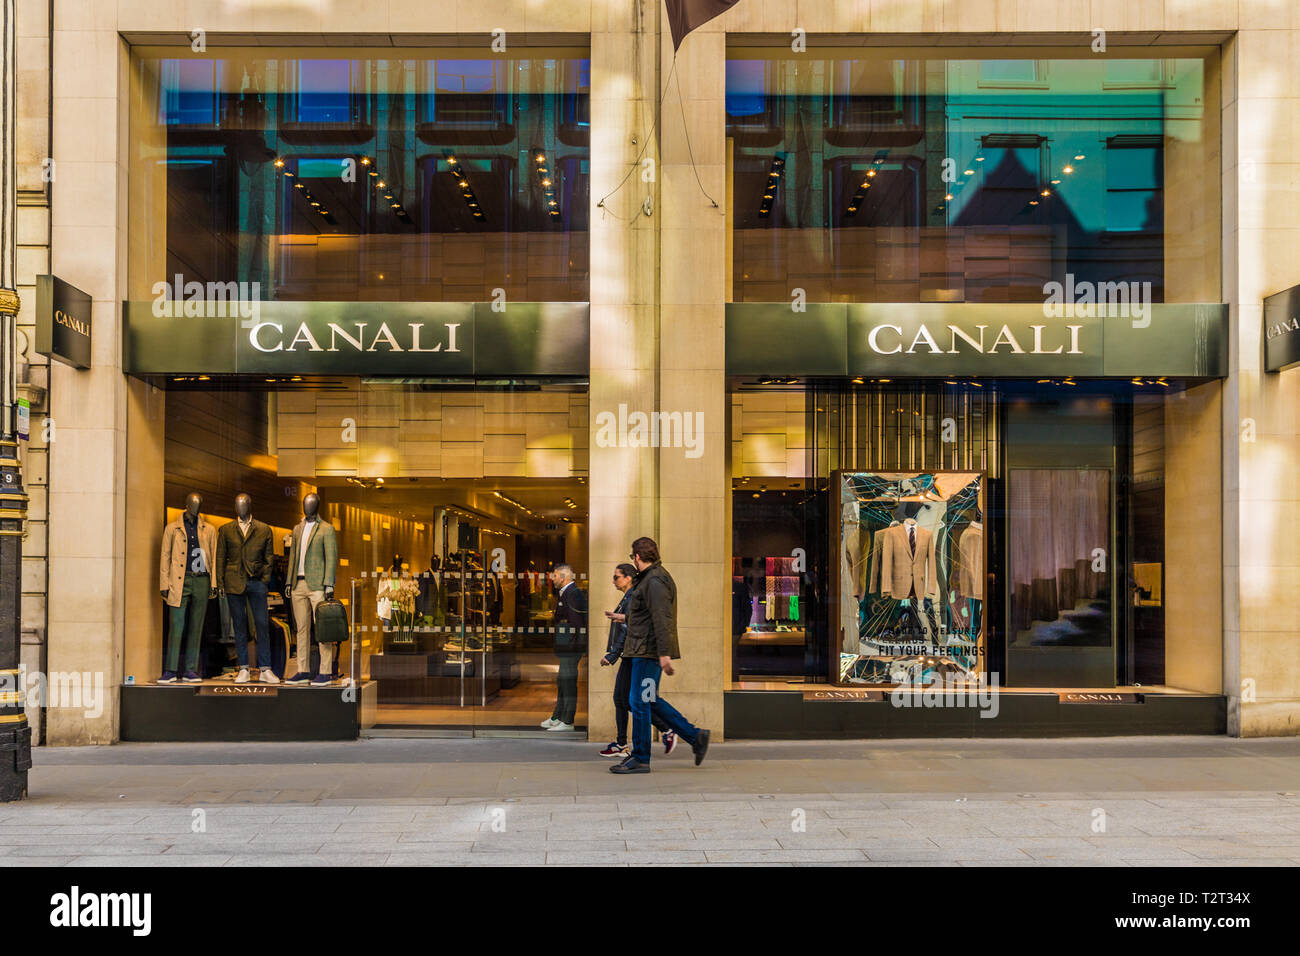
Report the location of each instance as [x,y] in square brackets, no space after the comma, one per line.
[15,734]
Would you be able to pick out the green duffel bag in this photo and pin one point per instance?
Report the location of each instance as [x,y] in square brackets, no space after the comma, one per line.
[331,622]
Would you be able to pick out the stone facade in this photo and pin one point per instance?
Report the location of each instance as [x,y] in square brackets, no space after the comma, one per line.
[658,282]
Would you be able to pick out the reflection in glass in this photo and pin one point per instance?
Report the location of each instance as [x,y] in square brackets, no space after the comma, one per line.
[362,178]
[933,180]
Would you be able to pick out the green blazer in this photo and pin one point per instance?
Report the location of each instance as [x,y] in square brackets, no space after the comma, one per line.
[322,555]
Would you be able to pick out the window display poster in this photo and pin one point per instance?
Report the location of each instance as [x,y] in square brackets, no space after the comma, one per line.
[911,577]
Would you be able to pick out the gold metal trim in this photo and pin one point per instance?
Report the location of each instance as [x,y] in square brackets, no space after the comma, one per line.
[13,718]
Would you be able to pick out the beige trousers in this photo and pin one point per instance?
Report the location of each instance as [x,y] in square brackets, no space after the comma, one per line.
[305,603]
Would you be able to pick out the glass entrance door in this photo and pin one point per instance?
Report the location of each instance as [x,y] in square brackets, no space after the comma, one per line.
[468,643]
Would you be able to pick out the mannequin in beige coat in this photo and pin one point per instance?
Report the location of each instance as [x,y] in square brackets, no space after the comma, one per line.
[185,581]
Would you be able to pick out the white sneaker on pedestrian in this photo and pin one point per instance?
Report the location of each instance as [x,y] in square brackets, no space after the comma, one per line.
[242,676]
[267,676]
[548,723]
[559,726]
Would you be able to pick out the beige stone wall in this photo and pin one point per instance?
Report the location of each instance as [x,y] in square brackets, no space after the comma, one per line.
[768,435]
[1261,425]
[1193,586]
[390,432]
[657,288]
[32,144]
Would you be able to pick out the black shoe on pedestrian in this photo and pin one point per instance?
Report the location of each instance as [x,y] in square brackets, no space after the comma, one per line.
[700,747]
[630,765]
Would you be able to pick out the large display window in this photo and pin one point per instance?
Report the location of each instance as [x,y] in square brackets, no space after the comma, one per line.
[898,175]
[1042,535]
[359,175]
[911,577]
[443,523]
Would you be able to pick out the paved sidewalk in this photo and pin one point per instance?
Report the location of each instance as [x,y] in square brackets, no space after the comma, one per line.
[1191,801]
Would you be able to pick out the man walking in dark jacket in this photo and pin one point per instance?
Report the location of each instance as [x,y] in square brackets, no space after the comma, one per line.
[651,644]
[624,575]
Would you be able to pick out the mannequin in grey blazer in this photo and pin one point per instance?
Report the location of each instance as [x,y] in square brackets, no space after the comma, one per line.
[309,580]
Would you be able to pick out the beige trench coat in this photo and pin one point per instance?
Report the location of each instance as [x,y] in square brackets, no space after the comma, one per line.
[171,563]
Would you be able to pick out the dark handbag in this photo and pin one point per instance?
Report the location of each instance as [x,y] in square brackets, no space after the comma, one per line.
[331,622]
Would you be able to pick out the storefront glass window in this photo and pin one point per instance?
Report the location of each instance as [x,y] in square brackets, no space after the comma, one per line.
[442,515]
[353,176]
[1060,528]
[896,176]
[911,583]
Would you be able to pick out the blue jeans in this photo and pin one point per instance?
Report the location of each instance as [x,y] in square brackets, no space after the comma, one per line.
[254,594]
[643,700]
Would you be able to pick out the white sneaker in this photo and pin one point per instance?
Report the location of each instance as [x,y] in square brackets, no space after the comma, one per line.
[242,676]
[548,723]
[559,726]
[267,676]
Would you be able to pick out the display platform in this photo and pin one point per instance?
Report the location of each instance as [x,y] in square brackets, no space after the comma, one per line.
[220,711]
[830,712]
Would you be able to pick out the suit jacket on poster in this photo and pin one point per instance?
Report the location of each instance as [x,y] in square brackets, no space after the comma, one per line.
[172,564]
[873,585]
[242,558]
[571,619]
[902,573]
[322,555]
[970,562]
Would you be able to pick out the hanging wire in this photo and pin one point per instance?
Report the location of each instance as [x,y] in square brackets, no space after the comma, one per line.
[646,145]
[681,100]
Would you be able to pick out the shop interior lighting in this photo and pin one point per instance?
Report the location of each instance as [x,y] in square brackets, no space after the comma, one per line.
[457,171]
[769,190]
[546,182]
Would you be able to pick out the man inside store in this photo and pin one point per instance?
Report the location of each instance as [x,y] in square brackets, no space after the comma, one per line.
[570,646]
[651,643]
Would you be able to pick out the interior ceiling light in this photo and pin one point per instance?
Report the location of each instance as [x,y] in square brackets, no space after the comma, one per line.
[549,199]
[773,180]
[455,168]
[1067,170]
